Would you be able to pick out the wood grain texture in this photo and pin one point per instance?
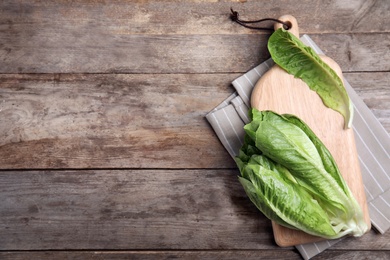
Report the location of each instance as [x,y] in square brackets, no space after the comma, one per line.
[75,50]
[148,255]
[236,254]
[117,121]
[333,254]
[123,37]
[63,105]
[137,209]
[374,89]
[198,17]
[127,121]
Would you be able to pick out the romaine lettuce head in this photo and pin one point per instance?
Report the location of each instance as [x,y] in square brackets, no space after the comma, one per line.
[289,174]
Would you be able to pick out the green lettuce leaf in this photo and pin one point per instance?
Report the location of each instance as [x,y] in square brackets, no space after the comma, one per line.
[301,61]
[283,202]
[285,166]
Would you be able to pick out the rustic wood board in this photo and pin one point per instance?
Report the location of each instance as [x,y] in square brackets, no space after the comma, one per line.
[160,254]
[194,16]
[281,92]
[137,37]
[129,210]
[204,209]
[268,254]
[110,121]
[25,98]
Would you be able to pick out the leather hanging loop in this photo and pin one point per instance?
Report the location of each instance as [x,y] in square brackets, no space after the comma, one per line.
[234,16]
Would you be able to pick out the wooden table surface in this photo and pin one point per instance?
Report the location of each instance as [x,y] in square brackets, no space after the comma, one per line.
[104,148]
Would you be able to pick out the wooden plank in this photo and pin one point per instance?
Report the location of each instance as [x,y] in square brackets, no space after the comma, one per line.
[371,241]
[373,88]
[71,49]
[335,254]
[133,209]
[231,254]
[137,209]
[355,52]
[127,121]
[146,255]
[197,17]
[236,254]
[122,37]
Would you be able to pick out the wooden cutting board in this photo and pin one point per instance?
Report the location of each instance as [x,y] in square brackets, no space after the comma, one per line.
[281,92]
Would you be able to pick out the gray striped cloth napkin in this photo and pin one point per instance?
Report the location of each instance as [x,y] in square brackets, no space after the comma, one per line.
[372,141]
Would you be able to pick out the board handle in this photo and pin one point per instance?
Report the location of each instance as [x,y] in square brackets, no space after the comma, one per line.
[291,21]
